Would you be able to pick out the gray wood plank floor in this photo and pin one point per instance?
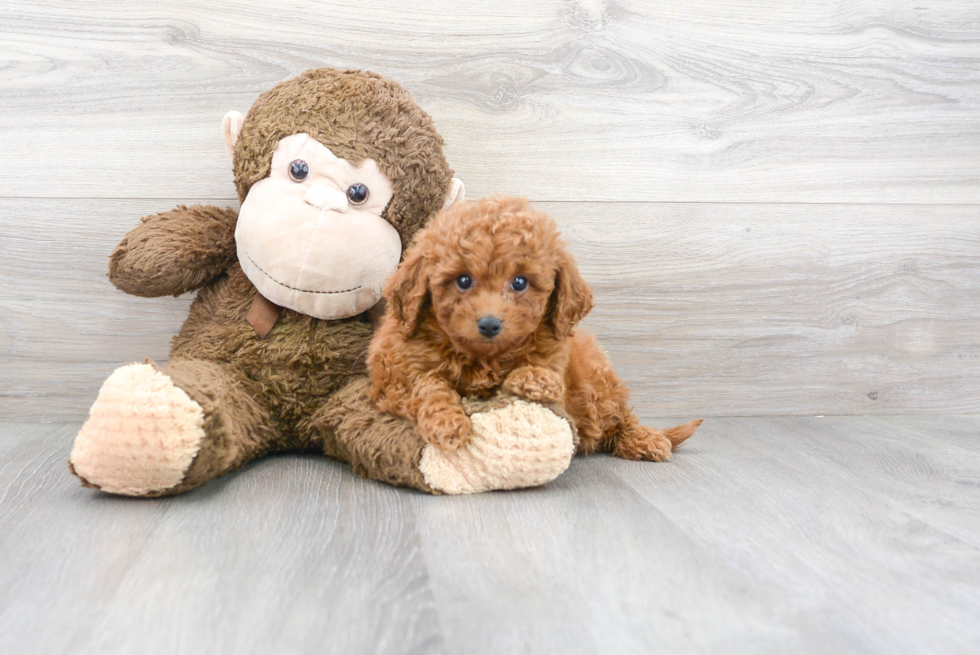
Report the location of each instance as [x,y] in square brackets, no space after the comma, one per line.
[804,535]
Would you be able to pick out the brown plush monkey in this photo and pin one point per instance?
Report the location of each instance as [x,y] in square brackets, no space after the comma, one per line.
[335,170]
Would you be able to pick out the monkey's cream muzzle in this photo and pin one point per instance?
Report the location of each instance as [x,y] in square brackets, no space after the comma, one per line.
[305,246]
[322,196]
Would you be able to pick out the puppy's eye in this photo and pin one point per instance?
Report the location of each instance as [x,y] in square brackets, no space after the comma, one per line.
[464,282]
[299,170]
[357,193]
[519,284]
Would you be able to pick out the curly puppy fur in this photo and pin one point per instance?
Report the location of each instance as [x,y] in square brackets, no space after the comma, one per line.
[429,350]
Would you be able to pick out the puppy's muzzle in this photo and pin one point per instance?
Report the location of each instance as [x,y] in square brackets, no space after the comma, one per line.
[489,326]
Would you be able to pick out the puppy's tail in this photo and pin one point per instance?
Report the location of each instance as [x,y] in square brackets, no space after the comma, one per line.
[681,433]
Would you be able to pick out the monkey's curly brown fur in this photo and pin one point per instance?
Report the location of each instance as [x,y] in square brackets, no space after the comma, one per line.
[429,351]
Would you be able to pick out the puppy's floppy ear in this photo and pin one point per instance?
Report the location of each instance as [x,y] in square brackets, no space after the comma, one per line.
[571,300]
[408,290]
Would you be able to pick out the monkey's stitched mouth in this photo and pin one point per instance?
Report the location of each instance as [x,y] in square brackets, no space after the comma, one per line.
[292,288]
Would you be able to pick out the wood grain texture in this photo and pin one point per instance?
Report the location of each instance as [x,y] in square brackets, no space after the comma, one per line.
[705,309]
[749,297]
[587,566]
[863,514]
[761,535]
[786,309]
[292,555]
[845,101]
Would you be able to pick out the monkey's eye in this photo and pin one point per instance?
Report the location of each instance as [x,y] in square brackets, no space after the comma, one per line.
[464,282]
[519,283]
[299,170]
[357,193]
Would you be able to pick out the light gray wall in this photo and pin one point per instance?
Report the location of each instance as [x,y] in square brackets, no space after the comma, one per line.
[778,203]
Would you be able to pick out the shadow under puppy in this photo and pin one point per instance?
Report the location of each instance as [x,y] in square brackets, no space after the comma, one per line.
[488,297]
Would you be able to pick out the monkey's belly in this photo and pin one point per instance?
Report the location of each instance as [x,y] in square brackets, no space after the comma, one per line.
[291,371]
[309,360]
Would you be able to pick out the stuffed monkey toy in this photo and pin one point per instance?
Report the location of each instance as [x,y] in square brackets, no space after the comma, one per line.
[335,171]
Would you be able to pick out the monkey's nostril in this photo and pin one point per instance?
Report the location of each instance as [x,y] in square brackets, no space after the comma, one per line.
[489,326]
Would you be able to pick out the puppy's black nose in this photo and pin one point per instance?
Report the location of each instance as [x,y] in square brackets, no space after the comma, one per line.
[489,326]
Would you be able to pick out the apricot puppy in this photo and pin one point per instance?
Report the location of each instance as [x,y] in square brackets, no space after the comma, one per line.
[488,297]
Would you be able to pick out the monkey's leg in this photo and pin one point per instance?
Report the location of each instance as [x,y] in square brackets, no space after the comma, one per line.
[155,432]
[514,444]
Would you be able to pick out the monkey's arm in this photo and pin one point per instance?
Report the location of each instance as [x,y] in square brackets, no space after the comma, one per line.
[175,252]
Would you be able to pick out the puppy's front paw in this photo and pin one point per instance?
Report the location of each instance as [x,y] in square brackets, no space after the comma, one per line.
[641,442]
[447,429]
[535,383]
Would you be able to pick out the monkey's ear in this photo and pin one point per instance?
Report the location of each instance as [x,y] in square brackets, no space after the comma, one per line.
[231,127]
[408,291]
[457,193]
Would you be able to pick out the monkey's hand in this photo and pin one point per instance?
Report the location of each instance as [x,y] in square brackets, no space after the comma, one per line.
[536,383]
[175,252]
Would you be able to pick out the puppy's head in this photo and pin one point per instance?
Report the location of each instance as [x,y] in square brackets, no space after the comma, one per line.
[490,273]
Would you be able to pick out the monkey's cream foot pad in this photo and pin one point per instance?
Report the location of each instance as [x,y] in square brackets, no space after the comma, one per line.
[520,445]
[141,435]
